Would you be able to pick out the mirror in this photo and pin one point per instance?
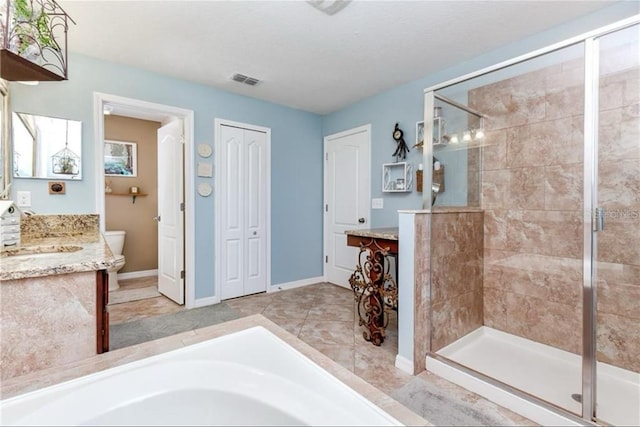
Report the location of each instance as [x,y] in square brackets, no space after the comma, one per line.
[5,175]
[46,147]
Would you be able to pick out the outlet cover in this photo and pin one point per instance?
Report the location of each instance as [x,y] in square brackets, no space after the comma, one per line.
[377,203]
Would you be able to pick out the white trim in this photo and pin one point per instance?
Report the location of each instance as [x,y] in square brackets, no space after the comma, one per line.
[406,289]
[404,364]
[527,56]
[295,284]
[325,238]
[202,302]
[163,113]
[137,274]
[218,202]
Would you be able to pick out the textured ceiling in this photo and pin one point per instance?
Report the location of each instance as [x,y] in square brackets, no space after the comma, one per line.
[305,58]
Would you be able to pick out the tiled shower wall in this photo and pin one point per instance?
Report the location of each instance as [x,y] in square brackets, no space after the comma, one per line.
[532,193]
[456,274]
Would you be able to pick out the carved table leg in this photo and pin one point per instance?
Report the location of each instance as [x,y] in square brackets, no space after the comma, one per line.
[375,291]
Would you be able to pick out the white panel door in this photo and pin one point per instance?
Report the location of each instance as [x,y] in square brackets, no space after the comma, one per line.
[255,195]
[347,193]
[243,216]
[170,216]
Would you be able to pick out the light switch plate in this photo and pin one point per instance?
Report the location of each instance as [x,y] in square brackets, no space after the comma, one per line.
[205,169]
[23,199]
[377,203]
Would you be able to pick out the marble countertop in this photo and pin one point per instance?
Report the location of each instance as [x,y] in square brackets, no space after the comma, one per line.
[442,210]
[388,233]
[56,255]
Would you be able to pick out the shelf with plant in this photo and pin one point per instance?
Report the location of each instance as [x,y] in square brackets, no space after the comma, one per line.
[36,34]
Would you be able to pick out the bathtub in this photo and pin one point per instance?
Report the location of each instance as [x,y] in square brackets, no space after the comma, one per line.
[249,377]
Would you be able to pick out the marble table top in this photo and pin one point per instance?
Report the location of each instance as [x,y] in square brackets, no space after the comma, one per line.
[388,233]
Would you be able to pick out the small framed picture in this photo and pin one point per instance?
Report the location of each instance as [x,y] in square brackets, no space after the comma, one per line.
[419,134]
[120,158]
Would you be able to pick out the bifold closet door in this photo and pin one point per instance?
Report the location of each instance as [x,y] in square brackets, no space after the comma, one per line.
[243,183]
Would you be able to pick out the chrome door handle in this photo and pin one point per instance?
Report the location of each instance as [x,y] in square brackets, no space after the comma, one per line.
[156,218]
[361,220]
[599,220]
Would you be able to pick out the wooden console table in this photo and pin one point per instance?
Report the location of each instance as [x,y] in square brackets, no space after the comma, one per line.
[375,289]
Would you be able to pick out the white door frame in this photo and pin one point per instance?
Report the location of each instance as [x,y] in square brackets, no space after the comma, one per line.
[325,250]
[162,113]
[218,202]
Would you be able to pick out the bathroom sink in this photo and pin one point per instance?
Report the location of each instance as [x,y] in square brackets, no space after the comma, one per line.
[40,250]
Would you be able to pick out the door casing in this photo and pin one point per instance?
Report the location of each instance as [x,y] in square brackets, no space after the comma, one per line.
[164,114]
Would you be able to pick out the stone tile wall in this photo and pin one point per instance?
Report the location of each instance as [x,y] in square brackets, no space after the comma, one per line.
[532,194]
[456,275]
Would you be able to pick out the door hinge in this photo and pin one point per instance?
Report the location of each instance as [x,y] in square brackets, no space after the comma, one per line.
[326,207]
[326,258]
[182,207]
[326,156]
[181,139]
[182,274]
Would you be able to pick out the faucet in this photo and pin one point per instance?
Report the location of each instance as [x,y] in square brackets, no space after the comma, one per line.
[435,189]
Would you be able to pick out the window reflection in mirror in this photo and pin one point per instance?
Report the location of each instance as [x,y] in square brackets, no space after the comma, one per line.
[46,147]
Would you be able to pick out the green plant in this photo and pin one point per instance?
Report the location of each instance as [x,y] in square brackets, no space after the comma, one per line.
[32,25]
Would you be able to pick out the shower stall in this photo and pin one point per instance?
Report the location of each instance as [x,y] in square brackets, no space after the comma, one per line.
[547,146]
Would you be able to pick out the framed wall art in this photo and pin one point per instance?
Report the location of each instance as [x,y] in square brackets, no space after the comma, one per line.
[120,158]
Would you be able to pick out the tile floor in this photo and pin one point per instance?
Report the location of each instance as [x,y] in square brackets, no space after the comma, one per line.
[139,309]
[324,316]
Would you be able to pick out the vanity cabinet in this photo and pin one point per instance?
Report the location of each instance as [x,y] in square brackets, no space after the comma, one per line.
[52,320]
[54,294]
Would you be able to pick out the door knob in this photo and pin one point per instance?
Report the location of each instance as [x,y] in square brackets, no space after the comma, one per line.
[361,220]
[255,233]
[156,218]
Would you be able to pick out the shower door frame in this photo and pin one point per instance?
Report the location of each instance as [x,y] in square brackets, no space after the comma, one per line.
[590,188]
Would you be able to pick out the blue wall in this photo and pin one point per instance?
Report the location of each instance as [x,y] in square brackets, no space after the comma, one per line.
[297,147]
[296,153]
[405,104]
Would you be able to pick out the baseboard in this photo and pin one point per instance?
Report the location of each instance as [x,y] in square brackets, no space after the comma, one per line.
[202,302]
[404,364]
[295,284]
[137,274]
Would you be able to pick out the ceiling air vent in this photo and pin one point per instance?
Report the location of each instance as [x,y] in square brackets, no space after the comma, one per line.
[241,78]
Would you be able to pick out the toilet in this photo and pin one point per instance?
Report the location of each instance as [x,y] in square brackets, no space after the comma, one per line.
[115,240]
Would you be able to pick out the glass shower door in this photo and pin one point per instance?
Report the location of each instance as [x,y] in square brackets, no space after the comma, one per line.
[617,240]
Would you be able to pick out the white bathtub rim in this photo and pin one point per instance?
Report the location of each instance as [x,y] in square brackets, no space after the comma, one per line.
[267,388]
[193,351]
